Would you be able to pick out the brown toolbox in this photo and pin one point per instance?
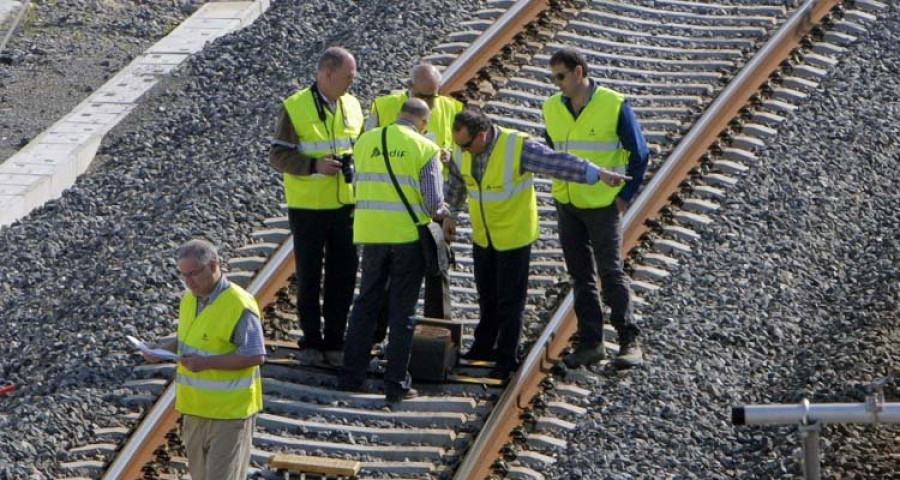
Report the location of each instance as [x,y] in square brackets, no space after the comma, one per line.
[435,347]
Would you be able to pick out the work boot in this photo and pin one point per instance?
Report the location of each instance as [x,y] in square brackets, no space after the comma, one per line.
[585,355]
[630,353]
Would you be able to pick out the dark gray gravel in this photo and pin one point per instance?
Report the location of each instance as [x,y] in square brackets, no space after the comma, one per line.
[82,272]
[794,293]
[64,50]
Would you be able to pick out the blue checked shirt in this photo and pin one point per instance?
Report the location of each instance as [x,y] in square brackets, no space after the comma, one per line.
[536,158]
[248,334]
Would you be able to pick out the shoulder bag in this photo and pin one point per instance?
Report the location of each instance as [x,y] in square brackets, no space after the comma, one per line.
[431,236]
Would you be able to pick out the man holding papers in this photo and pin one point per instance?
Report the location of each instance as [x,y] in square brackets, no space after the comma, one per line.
[220,347]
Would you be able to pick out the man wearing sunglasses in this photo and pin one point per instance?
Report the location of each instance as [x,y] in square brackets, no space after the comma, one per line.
[493,169]
[424,82]
[596,124]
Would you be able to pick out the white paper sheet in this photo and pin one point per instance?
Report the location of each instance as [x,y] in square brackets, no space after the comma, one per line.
[157,352]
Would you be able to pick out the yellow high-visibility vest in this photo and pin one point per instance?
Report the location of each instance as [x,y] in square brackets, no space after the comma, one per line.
[216,394]
[380,215]
[317,136]
[503,206]
[593,137]
[440,123]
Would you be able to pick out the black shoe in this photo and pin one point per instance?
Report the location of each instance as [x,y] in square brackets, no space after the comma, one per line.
[400,395]
[476,356]
[502,374]
[630,355]
[585,355]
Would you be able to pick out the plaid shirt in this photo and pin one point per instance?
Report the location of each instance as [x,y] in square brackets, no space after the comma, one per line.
[536,158]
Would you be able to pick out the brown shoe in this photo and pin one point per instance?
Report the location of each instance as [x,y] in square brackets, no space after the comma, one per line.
[630,355]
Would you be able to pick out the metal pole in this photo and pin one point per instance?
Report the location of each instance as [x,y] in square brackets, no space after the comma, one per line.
[792,414]
[809,435]
[810,418]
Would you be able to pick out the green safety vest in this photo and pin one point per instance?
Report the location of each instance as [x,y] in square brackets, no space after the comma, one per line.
[216,394]
[503,206]
[592,136]
[380,215]
[317,138]
[440,123]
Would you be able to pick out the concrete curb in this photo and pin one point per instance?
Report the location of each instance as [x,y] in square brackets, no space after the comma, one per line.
[51,162]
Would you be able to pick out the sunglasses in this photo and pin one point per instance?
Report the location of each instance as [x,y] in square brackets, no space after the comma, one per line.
[467,144]
[560,75]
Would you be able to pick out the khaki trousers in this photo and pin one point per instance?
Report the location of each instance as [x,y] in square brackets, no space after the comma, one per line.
[218,449]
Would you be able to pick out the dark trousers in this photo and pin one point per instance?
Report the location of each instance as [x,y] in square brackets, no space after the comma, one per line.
[591,242]
[437,303]
[324,237]
[401,266]
[501,278]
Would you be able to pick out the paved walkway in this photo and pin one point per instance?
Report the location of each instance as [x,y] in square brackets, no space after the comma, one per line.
[50,163]
[7,9]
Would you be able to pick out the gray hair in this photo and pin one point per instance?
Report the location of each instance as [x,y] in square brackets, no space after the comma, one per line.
[199,250]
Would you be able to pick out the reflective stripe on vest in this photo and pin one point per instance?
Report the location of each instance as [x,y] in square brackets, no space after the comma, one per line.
[317,138]
[216,394]
[397,206]
[593,137]
[245,382]
[380,216]
[316,148]
[503,206]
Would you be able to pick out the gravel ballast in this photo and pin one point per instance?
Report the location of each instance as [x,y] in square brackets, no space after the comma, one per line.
[793,293]
[64,50]
[82,272]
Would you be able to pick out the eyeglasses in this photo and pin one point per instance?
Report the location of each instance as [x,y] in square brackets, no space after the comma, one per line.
[559,76]
[193,273]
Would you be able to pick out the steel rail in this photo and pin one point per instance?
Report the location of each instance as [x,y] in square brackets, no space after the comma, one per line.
[717,117]
[161,419]
[548,348]
[151,432]
[489,43]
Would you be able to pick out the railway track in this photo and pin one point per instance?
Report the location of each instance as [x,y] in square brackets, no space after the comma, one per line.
[709,83]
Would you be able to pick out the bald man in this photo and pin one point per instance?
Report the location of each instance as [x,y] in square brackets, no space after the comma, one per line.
[393,263]
[314,137]
[424,83]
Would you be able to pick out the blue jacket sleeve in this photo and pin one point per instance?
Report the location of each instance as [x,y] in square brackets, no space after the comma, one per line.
[629,131]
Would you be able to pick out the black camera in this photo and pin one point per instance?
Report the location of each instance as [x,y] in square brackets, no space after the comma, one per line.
[347,168]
